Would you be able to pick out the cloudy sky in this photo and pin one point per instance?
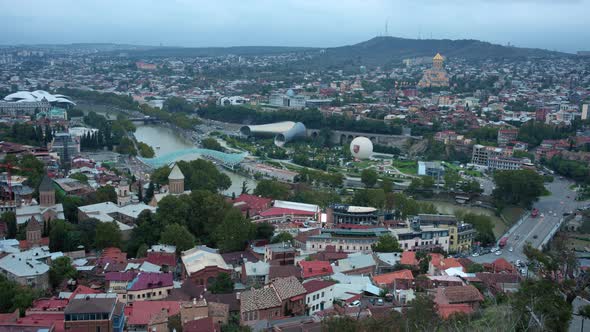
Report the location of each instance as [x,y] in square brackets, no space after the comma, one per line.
[553,24]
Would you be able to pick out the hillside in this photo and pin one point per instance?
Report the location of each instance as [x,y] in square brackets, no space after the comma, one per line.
[214,51]
[382,50]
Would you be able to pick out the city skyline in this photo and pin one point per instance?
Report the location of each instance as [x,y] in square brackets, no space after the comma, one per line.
[555,26]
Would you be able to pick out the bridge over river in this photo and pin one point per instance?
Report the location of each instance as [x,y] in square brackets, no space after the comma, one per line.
[228,160]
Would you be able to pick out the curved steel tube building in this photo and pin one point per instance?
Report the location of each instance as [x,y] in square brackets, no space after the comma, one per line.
[283,132]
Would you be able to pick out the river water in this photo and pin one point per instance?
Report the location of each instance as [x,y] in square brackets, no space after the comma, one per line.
[165,140]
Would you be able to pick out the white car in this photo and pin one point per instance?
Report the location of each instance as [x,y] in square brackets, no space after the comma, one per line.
[494,249]
[498,253]
[355,303]
[511,249]
[475,254]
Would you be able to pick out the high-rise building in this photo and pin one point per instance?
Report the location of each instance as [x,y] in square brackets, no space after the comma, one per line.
[66,146]
[585,112]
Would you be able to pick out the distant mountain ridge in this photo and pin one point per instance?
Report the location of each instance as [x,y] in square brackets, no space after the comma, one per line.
[381,50]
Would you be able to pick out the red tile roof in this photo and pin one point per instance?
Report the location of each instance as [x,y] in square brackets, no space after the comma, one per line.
[151,280]
[315,285]
[457,294]
[254,202]
[500,265]
[446,310]
[81,289]
[161,258]
[389,278]
[310,269]
[276,211]
[140,312]
[450,262]
[120,276]
[200,325]
[408,258]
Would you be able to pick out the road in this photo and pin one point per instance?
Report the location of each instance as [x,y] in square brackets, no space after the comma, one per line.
[535,230]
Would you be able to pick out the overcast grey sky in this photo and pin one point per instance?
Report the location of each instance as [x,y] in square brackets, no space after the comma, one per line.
[554,24]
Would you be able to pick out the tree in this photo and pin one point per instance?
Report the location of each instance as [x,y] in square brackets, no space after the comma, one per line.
[234,232]
[387,243]
[264,230]
[475,268]
[272,189]
[203,175]
[60,270]
[245,188]
[421,315]
[387,186]
[104,194]
[222,284]
[211,144]
[149,193]
[63,236]
[369,177]
[451,179]
[369,197]
[80,177]
[142,251]
[160,175]
[146,232]
[282,237]
[541,301]
[107,235]
[520,187]
[9,218]
[178,236]
[14,296]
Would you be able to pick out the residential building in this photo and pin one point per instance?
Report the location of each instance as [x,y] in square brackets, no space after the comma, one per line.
[345,240]
[280,253]
[496,158]
[66,146]
[148,286]
[342,214]
[415,237]
[320,296]
[505,136]
[95,312]
[29,268]
[315,269]
[282,298]
[461,235]
[203,264]
[402,279]
[463,299]
[124,215]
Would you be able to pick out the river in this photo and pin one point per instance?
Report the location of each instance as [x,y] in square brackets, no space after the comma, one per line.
[169,141]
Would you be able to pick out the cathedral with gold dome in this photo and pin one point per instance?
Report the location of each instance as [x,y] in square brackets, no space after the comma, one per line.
[435,76]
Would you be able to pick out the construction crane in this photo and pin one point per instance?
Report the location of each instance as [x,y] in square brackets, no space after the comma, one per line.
[9,167]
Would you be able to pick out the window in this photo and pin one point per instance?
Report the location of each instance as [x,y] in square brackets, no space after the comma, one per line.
[322,294]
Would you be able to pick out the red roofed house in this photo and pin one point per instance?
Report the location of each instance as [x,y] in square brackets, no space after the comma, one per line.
[147,315]
[315,269]
[283,297]
[499,265]
[401,279]
[320,295]
[166,260]
[201,325]
[251,205]
[409,258]
[463,299]
[117,282]
[148,286]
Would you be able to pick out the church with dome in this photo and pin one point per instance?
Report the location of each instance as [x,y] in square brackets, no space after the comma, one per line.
[436,76]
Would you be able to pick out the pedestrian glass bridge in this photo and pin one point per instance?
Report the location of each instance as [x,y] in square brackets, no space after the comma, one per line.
[226,159]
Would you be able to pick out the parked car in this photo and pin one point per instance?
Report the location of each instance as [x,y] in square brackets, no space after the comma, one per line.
[511,249]
[355,303]
[498,253]
[475,254]
[380,302]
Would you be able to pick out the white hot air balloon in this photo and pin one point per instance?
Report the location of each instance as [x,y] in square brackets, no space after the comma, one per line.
[361,148]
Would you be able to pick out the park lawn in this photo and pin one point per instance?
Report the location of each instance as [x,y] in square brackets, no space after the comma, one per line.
[407,167]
